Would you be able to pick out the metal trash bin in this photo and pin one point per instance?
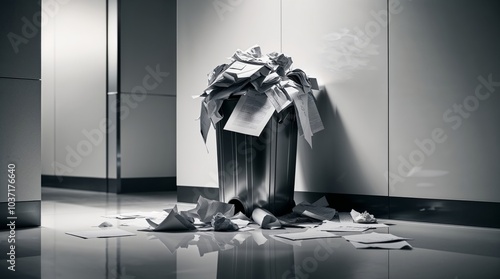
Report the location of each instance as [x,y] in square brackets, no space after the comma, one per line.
[258,171]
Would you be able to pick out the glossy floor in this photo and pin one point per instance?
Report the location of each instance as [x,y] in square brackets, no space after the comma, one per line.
[440,251]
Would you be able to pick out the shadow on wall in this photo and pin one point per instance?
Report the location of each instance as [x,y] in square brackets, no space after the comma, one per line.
[331,165]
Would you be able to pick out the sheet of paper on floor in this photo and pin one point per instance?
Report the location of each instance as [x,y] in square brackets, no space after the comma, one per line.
[386,245]
[241,223]
[308,234]
[137,223]
[173,222]
[330,226]
[246,229]
[339,227]
[101,233]
[373,237]
[326,225]
[265,219]
[137,214]
[240,215]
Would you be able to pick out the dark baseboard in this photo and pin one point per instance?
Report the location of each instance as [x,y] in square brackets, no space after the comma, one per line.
[118,186]
[27,213]
[148,184]
[376,205]
[75,183]
[467,213]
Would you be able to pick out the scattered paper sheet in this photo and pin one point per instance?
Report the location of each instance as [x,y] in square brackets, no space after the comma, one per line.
[318,210]
[241,223]
[251,114]
[373,237]
[240,215]
[386,245]
[329,224]
[205,229]
[205,209]
[308,234]
[141,223]
[136,215]
[265,219]
[293,218]
[173,222]
[101,233]
[246,229]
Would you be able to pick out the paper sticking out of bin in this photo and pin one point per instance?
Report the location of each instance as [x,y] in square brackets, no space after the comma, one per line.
[258,105]
[265,84]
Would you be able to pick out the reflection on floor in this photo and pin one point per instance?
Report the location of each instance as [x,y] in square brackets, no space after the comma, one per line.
[440,251]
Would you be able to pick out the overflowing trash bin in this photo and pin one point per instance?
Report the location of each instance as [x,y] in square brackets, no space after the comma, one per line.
[258,105]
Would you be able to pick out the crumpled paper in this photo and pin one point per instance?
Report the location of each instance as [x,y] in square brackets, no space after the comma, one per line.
[364,217]
[269,74]
[265,219]
[205,209]
[105,225]
[223,224]
[174,222]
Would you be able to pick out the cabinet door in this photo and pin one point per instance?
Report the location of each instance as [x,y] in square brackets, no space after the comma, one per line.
[20,136]
[20,32]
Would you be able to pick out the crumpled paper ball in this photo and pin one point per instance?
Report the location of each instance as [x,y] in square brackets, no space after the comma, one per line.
[223,224]
[364,217]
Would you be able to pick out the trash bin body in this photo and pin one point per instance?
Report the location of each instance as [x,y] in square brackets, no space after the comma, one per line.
[258,171]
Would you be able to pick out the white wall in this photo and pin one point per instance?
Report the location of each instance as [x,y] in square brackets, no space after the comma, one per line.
[48,95]
[206,36]
[435,69]
[74,89]
[346,49]
[377,98]
[350,155]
